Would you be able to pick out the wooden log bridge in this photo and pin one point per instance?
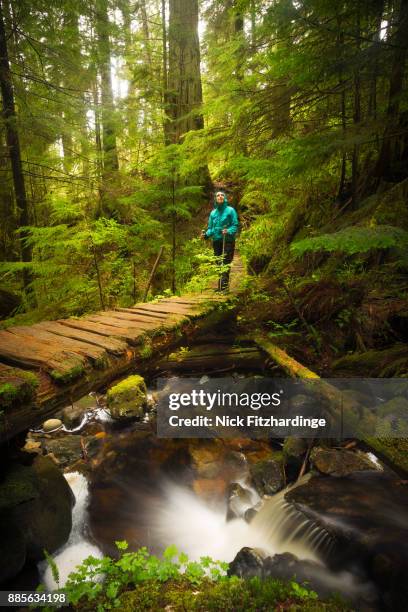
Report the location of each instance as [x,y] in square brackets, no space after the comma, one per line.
[53,363]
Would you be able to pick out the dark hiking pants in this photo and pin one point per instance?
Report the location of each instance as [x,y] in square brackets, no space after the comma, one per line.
[226,260]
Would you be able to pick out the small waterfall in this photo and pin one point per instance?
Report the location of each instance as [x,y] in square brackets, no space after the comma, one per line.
[78,547]
[286,529]
[199,529]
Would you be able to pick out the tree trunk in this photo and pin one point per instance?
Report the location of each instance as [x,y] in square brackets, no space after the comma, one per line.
[356,115]
[145,26]
[13,145]
[389,147]
[184,79]
[165,84]
[110,154]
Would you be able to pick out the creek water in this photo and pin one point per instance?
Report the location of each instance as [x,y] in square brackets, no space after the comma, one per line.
[147,491]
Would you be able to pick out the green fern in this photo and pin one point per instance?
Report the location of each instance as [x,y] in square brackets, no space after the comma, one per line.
[354,240]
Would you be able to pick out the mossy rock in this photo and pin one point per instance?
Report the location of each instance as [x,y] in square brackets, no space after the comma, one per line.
[16,386]
[19,485]
[46,520]
[268,476]
[295,448]
[127,399]
[340,462]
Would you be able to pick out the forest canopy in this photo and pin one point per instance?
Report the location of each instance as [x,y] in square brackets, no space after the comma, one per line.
[119,117]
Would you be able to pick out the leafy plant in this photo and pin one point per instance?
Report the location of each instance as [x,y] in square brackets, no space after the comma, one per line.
[102,580]
[354,240]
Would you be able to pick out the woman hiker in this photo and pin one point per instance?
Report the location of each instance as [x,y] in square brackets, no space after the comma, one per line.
[222,228]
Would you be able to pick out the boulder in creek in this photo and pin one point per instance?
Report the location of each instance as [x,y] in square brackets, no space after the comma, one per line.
[247,563]
[36,503]
[267,476]
[239,500]
[251,562]
[127,399]
[340,462]
[51,425]
[294,449]
[367,513]
[72,416]
[207,457]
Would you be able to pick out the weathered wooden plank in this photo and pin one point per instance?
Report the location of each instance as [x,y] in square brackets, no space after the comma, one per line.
[150,313]
[32,353]
[96,353]
[131,318]
[120,323]
[173,307]
[130,335]
[167,309]
[112,345]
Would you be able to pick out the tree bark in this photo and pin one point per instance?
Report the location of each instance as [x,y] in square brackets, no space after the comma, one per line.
[184,78]
[110,154]
[13,145]
[389,147]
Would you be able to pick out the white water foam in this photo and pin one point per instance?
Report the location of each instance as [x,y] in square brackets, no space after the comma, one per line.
[199,529]
[77,547]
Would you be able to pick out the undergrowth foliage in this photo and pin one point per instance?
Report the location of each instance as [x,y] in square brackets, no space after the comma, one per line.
[139,580]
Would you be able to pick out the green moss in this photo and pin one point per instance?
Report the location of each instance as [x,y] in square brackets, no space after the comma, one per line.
[61,376]
[230,595]
[393,450]
[18,386]
[146,349]
[19,485]
[127,398]
[101,362]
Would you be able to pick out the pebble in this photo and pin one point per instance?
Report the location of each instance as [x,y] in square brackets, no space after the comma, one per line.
[51,424]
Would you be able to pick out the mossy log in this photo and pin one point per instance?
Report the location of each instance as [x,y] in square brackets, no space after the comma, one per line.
[210,357]
[389,362]
[292,367]
[393,451]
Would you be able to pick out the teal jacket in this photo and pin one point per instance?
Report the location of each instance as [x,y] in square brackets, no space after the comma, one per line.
[222,217]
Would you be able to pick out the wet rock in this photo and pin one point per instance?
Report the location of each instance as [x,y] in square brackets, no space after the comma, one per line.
[294,449]
[35,508]
[210,488]
[127,399]
[250,514]
[46,520]
[66,450]
[12,547]
[340,462]
[267,476]
[32,446]
[51,424]
[236,464]
[248,562]
[72,416]
[251,562]
[367,512]
[239,500]
[207,458]
[325,583]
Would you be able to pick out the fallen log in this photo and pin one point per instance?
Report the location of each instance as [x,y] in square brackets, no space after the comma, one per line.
[392,451]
